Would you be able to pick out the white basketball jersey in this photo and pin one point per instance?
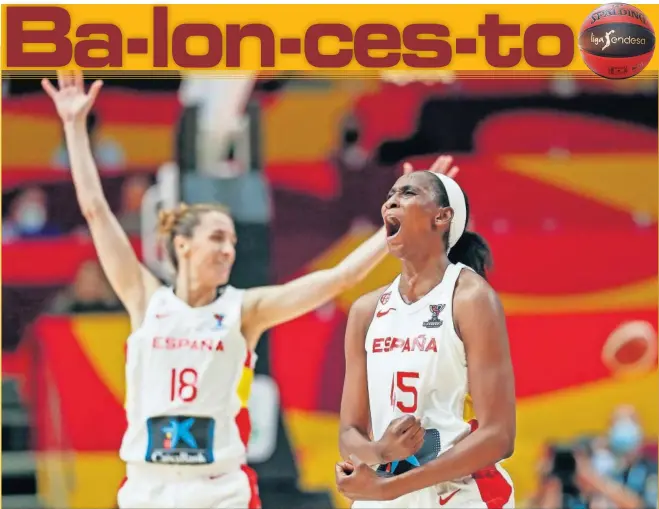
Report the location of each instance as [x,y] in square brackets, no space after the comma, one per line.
[183,369]
[416,362]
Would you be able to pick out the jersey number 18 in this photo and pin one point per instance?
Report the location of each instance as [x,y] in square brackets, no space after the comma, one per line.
[183,385]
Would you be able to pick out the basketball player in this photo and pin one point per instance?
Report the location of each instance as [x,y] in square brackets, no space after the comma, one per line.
[418,353]
[184,447]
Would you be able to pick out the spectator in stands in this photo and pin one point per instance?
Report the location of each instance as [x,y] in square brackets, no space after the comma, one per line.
[132,193]
[107,153]
[28,217]
[610,472]
[90,293]
[635,469]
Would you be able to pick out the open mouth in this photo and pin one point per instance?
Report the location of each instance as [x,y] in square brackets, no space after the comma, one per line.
[393,226]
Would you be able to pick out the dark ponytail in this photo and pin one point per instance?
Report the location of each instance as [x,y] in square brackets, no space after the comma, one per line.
[472,250]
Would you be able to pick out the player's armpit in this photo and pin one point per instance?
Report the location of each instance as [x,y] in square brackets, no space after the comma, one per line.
[355,422]
[267,306]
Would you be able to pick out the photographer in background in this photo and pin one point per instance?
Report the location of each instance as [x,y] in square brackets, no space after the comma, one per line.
[571,482]
[558,487]
[610,472]
[634,469]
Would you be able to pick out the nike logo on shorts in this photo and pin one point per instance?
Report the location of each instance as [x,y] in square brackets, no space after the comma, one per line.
[445,500]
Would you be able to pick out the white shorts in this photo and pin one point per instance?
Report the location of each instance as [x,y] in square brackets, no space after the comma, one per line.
[142,489]
[490,488]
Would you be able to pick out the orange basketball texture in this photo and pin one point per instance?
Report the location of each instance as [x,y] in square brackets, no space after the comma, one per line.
[617,41]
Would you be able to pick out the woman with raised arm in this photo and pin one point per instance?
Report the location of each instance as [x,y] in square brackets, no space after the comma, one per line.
[190,342]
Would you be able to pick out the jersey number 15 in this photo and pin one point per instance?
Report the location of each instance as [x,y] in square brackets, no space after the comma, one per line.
[403,382]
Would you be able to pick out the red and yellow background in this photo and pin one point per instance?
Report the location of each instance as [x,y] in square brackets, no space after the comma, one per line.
[564,289]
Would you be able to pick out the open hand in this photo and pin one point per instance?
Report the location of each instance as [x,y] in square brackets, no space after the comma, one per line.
[70,99]
[442,165]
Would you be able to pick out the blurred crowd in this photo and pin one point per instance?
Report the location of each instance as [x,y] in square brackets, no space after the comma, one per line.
[36,212]
[615,471]
[29,217]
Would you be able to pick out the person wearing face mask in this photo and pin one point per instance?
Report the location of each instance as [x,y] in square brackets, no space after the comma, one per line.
[28,217]
[617,475]
[626,441]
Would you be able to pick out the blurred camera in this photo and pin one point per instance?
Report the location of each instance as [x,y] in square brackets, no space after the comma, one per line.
[563,463]
[563,466]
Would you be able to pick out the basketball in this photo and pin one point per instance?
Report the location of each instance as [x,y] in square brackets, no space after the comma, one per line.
[616,41]
[631,347]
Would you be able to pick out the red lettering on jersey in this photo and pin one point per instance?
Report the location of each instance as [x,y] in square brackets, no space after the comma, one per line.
[208,345]
[396,343]
[392,344]
[419,343]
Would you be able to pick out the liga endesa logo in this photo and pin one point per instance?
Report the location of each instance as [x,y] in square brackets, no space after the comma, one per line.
[371,46]
[610,39]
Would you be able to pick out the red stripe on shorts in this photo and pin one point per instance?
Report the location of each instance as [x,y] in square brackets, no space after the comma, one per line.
[254,499]
[494,488]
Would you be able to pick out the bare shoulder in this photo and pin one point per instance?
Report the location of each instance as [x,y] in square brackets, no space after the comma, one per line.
[364,307]
[359,320]
[474,295]
[471,286]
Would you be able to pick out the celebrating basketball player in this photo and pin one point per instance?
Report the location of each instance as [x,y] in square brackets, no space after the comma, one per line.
[189,343]
[424,357]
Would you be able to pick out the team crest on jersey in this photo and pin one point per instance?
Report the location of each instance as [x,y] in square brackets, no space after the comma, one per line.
[219,319]
[385,298]
[434,321]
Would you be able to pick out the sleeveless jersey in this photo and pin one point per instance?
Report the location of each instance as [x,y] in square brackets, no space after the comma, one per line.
[183,371]
[416,363]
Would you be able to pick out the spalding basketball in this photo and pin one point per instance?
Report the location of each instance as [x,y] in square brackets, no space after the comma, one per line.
[616,41]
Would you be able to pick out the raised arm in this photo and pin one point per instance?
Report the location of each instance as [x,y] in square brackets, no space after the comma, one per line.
[481,325]
[267,306]
[131,281]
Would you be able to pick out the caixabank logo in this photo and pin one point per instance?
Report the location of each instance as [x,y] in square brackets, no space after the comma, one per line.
[617,41]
